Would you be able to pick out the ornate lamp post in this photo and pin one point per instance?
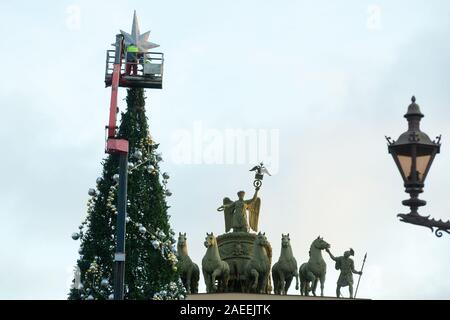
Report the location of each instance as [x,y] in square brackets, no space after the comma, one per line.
[413,153]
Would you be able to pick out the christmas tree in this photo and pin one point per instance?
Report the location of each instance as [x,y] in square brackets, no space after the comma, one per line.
[150,269]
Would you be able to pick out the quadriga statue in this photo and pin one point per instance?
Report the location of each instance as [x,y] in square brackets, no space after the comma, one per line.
[285,270]
[189,271]
[257,270]
[315,269]
[213,267]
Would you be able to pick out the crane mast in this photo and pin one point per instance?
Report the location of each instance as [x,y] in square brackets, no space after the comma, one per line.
[118,147]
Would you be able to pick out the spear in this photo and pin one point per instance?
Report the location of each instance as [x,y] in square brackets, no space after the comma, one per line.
[357,286]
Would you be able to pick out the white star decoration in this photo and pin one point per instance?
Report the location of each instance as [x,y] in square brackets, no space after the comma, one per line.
[138,39]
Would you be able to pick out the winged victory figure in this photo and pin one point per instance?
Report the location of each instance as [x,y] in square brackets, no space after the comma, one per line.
[260,169]
[235,212]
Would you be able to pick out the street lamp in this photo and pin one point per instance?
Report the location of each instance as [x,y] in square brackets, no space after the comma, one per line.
[413,153]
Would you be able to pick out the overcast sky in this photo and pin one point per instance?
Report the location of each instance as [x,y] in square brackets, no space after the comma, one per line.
[323,81]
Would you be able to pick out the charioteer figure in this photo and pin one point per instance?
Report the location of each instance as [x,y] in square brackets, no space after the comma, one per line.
[235,212]
[347,267]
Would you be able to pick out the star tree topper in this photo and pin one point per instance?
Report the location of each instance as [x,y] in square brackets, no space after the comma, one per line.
[136,38]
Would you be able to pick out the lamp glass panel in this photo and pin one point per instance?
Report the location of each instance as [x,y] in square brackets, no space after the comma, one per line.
[421,165]
[405,164]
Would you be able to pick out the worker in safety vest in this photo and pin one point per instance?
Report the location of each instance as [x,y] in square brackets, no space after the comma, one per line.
[132,59]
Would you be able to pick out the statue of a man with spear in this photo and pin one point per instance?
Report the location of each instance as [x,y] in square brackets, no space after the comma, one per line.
[347,267]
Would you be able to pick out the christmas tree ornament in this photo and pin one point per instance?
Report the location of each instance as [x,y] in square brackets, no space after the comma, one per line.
[90,297]
[104,283]
[116,178]
[137,154]
[111,297]
[168,193]
[166,176]
[92,192]
[99,180]
[75,236]
[142,229]
[155,244]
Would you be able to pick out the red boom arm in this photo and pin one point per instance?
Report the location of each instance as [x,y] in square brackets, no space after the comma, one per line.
[114,145]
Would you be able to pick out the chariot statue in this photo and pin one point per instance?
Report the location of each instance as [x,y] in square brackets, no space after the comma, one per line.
[241,246]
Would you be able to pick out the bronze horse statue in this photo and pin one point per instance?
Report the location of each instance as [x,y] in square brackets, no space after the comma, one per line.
[189,271]
[315,269]
[257,270]
[285,269]
[213,267]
